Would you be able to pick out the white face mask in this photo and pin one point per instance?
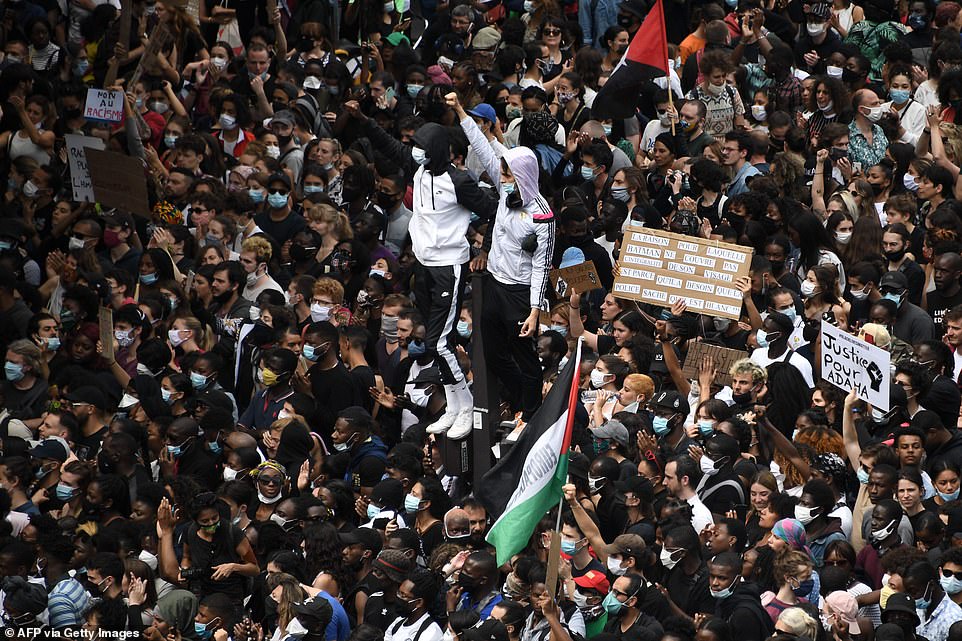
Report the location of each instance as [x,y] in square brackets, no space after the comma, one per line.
[267,499]
[842,237]
[707,466]
[805,514]
[880,535]
[598,379]
[715,90]
[759,112]
[273,151]
[815,28]
[320,312]
[874,113]
[667,559]
[230,474]
[833,72]
[175,338]
[614,566]
[808,288]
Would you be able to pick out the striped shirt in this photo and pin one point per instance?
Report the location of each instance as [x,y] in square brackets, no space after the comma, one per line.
[66,603]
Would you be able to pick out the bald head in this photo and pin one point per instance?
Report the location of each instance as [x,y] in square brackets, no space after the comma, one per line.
[593,129]
[237,440]
[864,98]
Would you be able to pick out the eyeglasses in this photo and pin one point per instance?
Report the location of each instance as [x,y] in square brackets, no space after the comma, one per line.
[949,573]
[282,192]
[552,32]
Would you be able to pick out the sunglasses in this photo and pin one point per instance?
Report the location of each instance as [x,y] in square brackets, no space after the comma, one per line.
[270,480]
[949,573]
[552,32]
[282,192]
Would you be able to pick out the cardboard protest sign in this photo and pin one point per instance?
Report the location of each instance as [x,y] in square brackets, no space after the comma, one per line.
[106,318]
[723,358]
[83,189]
[850,363]
[119,181]
[580,278]
[104,105]
[660,267]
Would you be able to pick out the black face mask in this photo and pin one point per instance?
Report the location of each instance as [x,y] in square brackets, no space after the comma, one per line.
[850,76]
[467,582]
[742,399]
[342,260]
[350,193]
[769,225]
[895,256]
[777,266]
[283,140]
[837,154]
[513,201]
[305,44]
[223,298]
[385,201]
[105,465]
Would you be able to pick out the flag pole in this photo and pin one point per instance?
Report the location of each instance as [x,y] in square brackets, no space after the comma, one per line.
[671,104]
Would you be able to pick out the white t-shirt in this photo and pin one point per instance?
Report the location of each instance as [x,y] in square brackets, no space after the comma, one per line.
[760,357]
[432,632]
[700,515]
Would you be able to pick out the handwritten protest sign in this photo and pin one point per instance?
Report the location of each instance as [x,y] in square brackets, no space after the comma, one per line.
[581,278]
[849,363]
[660,267]
[722,358]
[83,189]
[104,105]
[119,181]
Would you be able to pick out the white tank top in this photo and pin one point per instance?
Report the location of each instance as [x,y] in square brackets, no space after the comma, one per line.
[23,146]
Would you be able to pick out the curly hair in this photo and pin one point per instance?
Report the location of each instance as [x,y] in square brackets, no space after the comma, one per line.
[822,440]
[323,553]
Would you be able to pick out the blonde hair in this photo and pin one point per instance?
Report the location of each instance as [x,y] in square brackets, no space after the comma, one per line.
[746,366]
[258,246]
[201,334]
[799,622]
[338,220]
[788,562]
[640,384]
[329,286]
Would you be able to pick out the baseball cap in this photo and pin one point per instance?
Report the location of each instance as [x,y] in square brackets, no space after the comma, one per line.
[54,448]
[845,606]
[118,218]
[279,178]
[368,537]
[284,117]
[395,564]
[630,544]
[388,493]
[487,38]
[487,630]
[211,398]
[894,280]
[88,394]
[593,580]
[485,111]
[613,430]
[428,376]
[670,399]
[317,609]
[397,38]
[820,10]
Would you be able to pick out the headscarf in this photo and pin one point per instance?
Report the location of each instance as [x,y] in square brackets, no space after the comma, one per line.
[793,533]
[178,609]
[540,127]
[274,465]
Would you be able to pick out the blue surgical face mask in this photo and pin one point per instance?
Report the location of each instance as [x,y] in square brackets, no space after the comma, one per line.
[200,629]
[607,129]
[509,188]
[899,96]
[277,201]
[950,496]
[414,90]
[464,329]
[372,511]
[170,141]
[215,447]
[166,395]
[660,425]
[561,329]
[198,381]
[313,189]
[706,428]
[53,343]
[727,592]
[310,353]
[13,371]
[790,312]
[411,504]
[588,173]
[256,196]
[175,450]
[65,492]
[569,547]
[419,156]
[148,279]
[895,298]
[862,475]
[417,348]
[951,585]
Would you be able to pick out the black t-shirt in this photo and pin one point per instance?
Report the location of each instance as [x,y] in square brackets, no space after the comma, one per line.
[363,377]
[690,593]
[281,230]
[334,389]
[938,304]
[916,278]
[379,612]
[86,447]
[207,554]
[643,628]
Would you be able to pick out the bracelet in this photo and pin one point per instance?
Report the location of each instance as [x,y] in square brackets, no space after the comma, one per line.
[573,307]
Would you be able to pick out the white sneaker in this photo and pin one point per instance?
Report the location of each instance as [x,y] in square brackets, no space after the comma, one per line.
[443,424]
[463,424]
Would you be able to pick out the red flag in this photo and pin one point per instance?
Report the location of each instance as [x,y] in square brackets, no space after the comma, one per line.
[646,58]
[650,44]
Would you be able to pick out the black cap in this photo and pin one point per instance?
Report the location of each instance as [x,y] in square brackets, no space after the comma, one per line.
[388,493]
[54,448]
[368,537]
[119,218]
[894,280]
[88,394]
[279,177]
[211,398]
[317,609]
[487,630]
[670,399]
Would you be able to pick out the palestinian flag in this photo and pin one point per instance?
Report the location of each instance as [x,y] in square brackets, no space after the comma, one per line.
[646,58]
[527,482]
